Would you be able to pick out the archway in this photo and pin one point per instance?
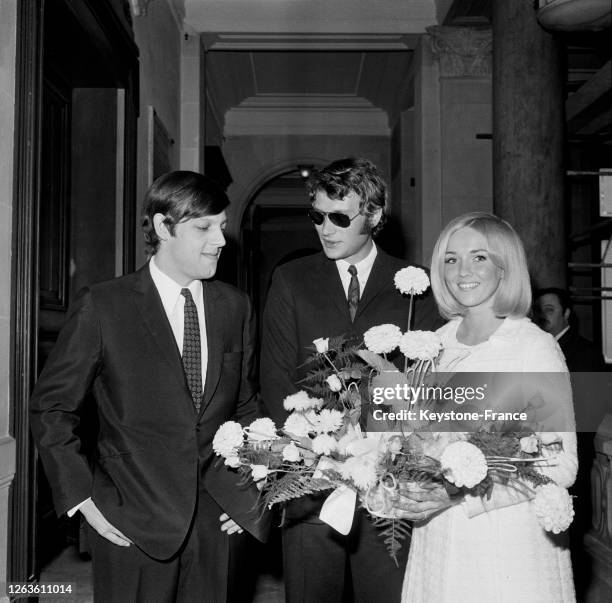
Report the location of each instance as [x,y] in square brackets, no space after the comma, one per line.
[274,229]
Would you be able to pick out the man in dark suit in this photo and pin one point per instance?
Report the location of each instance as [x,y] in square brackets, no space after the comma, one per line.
[552,312]
[168,356]
[345,290]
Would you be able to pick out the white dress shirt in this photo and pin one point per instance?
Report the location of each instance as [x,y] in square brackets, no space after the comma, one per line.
[561,333]
[364,267]
[174,306]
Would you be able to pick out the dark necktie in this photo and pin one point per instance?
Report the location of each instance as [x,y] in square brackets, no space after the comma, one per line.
[353,292]
[192,358]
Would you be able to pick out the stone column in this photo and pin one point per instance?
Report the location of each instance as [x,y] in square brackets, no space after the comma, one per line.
[528,125]
[465,121]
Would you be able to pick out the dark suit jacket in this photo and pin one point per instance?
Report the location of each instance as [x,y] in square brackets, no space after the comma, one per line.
[581,355]
[153,451]
[306,300]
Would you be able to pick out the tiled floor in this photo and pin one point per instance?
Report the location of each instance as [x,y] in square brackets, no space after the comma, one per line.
[68,567]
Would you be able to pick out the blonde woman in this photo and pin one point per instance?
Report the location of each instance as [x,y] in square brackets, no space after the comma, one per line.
[470,549]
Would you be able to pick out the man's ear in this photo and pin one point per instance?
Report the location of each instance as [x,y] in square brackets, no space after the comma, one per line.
[374,218]
[566,314]
[161,229]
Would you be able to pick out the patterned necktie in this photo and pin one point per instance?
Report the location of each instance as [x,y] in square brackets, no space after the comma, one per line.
[353,292]
[192,358]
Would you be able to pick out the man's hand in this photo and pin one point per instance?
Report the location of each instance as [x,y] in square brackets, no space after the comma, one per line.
[421,502]
[97,521]
[229,525]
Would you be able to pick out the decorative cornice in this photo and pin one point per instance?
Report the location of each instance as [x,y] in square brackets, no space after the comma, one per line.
[462,51]
[334,115]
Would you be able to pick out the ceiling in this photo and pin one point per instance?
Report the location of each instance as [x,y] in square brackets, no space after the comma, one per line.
[317,57]
[372,86]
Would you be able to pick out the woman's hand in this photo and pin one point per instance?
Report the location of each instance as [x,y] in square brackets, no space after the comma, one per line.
[420,502]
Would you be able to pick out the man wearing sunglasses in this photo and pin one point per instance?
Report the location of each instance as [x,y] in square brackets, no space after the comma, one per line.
[345,290]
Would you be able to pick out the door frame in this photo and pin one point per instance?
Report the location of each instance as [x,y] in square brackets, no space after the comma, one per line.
[112,36]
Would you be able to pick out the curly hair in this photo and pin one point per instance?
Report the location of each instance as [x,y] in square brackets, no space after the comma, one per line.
[353,175]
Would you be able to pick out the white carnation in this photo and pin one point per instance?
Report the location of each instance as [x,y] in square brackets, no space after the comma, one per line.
[553,508]
[421,345]
[261,429]
[463,464]
[322,344]
[323,444]
[382,339]
[291,453]
[297,425]
[334,383]
[329,420]
[228,439]
[259,472]
[301,401]
[411,280]
[361,469]
[233,461]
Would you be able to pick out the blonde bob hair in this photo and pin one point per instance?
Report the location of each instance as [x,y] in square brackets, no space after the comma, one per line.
[513,295]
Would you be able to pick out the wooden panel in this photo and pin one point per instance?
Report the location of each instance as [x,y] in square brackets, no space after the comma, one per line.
[54,203]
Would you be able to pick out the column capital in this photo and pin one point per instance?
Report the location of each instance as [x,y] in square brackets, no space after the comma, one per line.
[462,51]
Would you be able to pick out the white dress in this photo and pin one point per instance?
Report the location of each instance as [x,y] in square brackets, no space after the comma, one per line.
[470,554]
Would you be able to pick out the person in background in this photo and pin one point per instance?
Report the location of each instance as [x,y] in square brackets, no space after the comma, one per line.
[552,312]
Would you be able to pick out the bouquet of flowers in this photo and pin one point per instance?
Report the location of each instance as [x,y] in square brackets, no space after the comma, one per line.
[321,445]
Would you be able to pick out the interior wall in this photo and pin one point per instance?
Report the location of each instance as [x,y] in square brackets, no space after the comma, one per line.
[158,36]
[467,162]
[8,41]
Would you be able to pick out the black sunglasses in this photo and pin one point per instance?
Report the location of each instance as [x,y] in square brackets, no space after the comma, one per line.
[336,218]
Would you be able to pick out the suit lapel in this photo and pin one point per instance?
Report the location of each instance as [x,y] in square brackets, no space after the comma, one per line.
[381,276]
[215,316]
[331,285]
[149,305]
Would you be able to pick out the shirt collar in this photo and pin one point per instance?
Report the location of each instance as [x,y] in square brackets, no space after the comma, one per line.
[363,267]
[562,333]
[169,290]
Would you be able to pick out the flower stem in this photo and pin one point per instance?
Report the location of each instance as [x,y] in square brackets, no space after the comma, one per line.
[408,327]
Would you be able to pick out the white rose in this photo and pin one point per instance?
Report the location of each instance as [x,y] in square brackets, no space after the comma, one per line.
[420,345]
[529,444]
[382,339]
[334,383]
[261,429]
[463,464]
[259,472]
[411,280]
[322,344]
[291,453]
